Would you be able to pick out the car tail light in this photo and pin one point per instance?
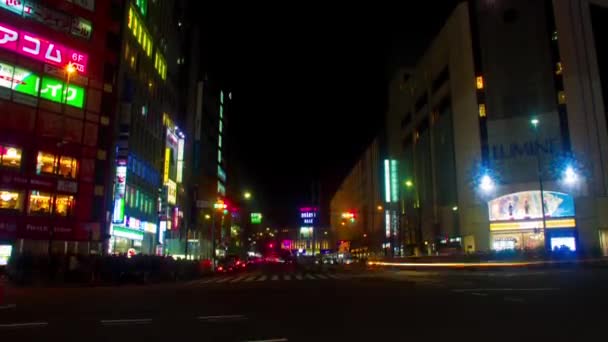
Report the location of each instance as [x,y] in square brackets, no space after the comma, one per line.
[220,268]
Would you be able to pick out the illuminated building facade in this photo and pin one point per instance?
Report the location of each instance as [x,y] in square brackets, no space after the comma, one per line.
[505,102]
[358,209]
[58,99]
[148,155]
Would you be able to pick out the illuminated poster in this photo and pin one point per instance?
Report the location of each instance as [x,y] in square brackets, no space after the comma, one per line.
[6,75]
[5,253]
[171,192]
[527,205]
[26,82]
[15,6]
[52,89]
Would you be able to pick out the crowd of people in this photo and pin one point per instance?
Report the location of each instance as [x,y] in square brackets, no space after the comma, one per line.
[27,269]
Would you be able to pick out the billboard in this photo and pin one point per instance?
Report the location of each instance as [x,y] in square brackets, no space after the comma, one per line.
[120,185]
[308,216]
[36,47]
[526,205]
[53,90]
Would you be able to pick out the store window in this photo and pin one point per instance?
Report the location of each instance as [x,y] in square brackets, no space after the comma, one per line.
[46,163]
[53,164]
[68,167]
[10,156]
[39,203]
[64,205]
[11,200]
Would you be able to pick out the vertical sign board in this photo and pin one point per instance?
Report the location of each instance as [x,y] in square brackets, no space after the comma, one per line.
[120,185]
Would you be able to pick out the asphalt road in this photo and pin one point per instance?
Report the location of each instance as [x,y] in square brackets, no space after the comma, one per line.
[293,304]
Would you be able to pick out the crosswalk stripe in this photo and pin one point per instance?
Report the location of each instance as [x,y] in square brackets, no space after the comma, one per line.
[287,277]
[309,276]
[322,276]
[238,279]
[333,276]
[275,277]
[299,276]
[251,278]
[222,280]
[262,278]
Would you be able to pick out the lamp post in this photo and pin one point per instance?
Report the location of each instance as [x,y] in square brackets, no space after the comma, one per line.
[535,122]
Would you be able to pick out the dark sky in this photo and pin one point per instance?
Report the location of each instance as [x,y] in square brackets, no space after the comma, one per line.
[310,89]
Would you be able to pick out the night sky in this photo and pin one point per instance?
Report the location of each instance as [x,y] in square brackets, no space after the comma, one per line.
[309,89]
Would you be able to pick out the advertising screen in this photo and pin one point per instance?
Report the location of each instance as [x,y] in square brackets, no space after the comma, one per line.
[526,205]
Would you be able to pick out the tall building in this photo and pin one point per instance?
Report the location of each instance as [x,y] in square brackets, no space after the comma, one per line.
[213,104]
[358,208]
[58,98]
[147,196]
[506,101]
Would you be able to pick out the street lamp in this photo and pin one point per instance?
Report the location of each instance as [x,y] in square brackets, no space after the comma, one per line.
[409,183]
[570,176]
[247,195]
[380,208]
[535,122]
[486,183]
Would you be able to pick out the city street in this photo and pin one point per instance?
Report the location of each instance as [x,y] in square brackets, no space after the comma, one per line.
[287,304]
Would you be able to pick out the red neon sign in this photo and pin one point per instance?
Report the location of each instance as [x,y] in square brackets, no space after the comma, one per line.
[31,45]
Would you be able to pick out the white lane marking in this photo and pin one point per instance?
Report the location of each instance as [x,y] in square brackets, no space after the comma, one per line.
[322,276]
[24,325]
[275,277]
[126,321]
[251,278]
[7,306]
[514,299]
[287,277]
[238,279]
[333,276]
[540,289]
[219,318]
[309,276]
[479,294]
[271,340]
[262,278]
[299,276]
[208,280]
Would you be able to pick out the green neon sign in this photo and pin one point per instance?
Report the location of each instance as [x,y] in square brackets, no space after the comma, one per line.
[26,82]
[53,90]
[256,218]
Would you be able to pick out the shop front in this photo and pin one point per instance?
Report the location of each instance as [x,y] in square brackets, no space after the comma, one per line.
[126,237]
[516,221]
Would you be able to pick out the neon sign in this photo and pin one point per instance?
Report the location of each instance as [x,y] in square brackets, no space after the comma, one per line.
[31,45]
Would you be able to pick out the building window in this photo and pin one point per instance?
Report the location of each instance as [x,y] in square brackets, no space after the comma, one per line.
[64,205]
[561,97]
[10,156]
[46,163]
[10,200]
[219,141]
[219,156]
[479,82]
[68,167]
[482,110]
[40,203]
[554,35]
[52,164]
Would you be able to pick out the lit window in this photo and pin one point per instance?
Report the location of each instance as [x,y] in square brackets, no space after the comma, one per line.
[10,200]
[68,167]
[482,110]
[219,156]
[219,141]
[221,112]
[559,69]
[64,205]
[561,97]
[10,156]
[127,189]
[46,163]
[479,82]
[221,126]
[554,35]
[39,203]
[137,198]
